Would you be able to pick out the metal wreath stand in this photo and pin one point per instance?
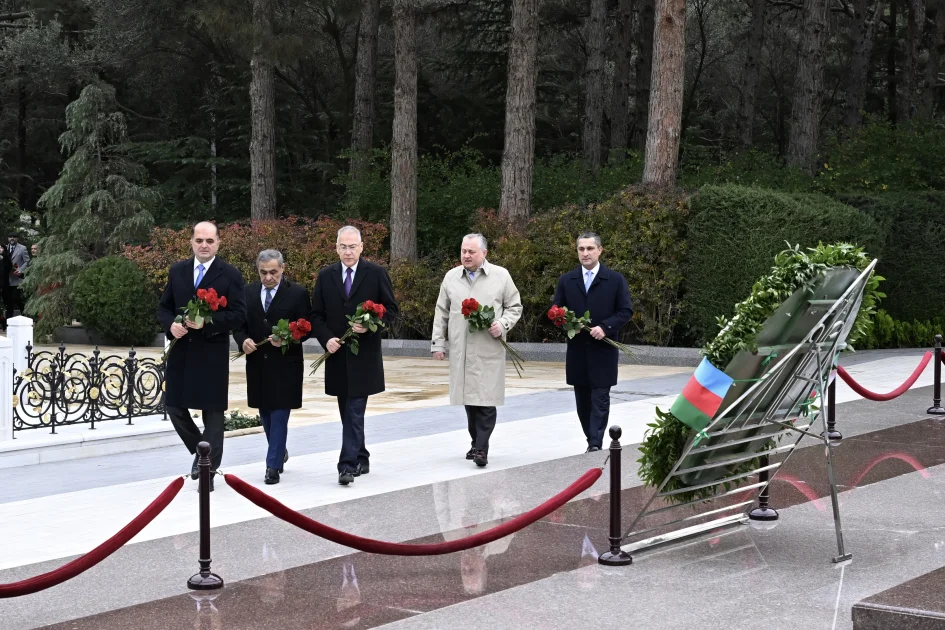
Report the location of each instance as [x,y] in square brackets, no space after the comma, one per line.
[768,410]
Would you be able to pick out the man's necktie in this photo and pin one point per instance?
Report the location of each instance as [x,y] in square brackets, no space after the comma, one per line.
[268,300]
[348,273]
[472,276]
[587,282]
[200,269]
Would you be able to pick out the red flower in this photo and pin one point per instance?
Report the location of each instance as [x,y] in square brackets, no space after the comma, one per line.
[201,294]
[558,315]
[223,301]
[380,310]
[368,306]
[303,325]
[471,304]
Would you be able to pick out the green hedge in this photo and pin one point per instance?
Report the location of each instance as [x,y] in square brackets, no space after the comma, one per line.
[112,296]
[913,262]
[735,231]
[887,332]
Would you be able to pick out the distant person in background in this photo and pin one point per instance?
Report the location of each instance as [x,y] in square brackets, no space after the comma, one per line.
[6,269]
[20,259]
[34,250]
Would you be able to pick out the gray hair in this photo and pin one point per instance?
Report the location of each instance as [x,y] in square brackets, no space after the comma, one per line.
[348,228]
[269,254]
[593,235]
[482,240]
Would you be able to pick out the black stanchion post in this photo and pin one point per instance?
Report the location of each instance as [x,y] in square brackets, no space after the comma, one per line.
[616,557]
[205,580]
[832,432]
[936,408]
[763,512]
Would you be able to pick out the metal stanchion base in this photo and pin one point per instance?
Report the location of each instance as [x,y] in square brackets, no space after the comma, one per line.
[763,514]
[843,558]
[834,436]
[935,411]
[207,582]
[615,559]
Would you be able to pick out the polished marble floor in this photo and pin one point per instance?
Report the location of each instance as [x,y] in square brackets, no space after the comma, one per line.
[890,467]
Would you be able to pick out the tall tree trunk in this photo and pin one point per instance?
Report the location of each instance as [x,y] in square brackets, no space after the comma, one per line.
[913,79]
[24,181]
[594,84]
[403,176]
[622,71]
[930,98]
[892,87]
[666,94]
[262,102]
[362,133]
[518,156]
[746,97]
[644,71]
[866,22]
[808,85]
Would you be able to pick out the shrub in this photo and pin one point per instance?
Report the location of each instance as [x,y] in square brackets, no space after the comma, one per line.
[643,238]
[701,167]
[881,157]
[308,245]
[416,287]
[734,233]
[914,225]
[110,295]
[887,332]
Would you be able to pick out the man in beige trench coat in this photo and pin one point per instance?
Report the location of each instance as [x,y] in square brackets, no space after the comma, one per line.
[477,360]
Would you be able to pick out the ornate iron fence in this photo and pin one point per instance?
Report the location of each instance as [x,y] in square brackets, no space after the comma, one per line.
[60,388]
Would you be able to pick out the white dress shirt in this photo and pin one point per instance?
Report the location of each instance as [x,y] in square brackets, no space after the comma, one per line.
[262,294]
[588,283]
[206,267]
[344,272]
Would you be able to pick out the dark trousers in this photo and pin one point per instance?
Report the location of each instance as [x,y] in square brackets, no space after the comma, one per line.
[191,435]
[481,422]
[352,433]
[12,300]
[593,409]
[276,425]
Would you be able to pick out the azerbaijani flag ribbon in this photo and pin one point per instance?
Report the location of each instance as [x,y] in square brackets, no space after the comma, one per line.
[702,396]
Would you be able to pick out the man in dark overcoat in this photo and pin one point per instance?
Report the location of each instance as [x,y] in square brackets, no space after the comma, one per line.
[339,289]
[197,373]
[591,363]
[273,378]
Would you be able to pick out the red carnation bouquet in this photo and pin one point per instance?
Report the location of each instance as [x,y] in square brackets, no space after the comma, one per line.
[200,311]
[285,331]
[565,318]
[370,315]
[480,317]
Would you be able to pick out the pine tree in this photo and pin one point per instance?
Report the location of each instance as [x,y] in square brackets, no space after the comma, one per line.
[99,203]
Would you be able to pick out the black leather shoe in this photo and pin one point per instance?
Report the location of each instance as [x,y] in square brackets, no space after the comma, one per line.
[363,469]
[195,470]
[272,476]
[346,477]
[592,449]
[471,453]
[481,459]
[285,457]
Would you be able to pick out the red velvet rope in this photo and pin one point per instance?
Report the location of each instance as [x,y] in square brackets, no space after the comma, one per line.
[107,548]
[899,391]
[369,545]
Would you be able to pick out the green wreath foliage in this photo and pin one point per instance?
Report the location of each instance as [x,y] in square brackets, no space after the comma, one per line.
[793,268]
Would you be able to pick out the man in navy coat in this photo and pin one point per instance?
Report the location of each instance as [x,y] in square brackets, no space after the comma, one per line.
[591,362]
[198,367]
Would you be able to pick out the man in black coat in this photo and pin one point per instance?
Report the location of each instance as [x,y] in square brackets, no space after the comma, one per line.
[591,364]
[198,366]
[273,379]
[339,289]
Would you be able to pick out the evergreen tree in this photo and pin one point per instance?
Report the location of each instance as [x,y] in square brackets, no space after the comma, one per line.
[99,203]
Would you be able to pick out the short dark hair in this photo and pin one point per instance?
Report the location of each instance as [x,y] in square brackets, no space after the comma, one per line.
[593,235]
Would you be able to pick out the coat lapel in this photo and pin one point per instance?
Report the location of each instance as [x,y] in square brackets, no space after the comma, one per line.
[279,297]
[254,305]
[600,277]
[211,274]
[336,272]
